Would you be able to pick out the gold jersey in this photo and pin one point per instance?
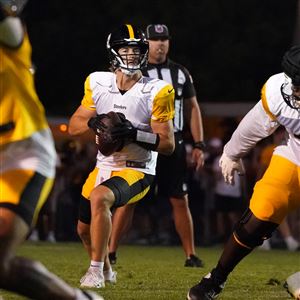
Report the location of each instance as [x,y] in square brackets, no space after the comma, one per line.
[19,103]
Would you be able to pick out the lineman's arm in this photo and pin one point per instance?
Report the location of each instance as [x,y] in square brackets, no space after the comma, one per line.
[79,121]
[11,29]
[255,126]
[166,136]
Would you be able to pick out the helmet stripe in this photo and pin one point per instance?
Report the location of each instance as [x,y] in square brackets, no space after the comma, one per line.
[130,31]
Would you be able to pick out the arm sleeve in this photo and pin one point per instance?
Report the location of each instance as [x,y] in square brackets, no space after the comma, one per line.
[255,126]
[87,100]
[163,104]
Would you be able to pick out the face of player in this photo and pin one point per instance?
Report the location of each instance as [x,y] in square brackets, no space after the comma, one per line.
[130,56]
[158,51]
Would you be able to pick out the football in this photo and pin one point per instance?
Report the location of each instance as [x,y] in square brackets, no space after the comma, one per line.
[106,144]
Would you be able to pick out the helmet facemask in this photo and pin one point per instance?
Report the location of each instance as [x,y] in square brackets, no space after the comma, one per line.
[288,93]
[129,63]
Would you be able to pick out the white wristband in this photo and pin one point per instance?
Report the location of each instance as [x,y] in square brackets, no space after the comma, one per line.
[146,137]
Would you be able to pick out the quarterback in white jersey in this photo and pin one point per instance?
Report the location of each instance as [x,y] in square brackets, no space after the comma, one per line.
[149,99]
[277,193]
[125,175]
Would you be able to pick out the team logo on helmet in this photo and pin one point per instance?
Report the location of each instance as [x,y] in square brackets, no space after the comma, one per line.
[159,28]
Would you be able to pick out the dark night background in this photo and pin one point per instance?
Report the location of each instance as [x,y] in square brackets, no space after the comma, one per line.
[230,46]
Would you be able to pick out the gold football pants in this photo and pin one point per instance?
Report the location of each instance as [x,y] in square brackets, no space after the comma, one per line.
[278,192]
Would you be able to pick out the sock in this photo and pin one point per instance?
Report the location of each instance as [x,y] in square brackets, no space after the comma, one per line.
[218,274]
[97,265]
[232,254]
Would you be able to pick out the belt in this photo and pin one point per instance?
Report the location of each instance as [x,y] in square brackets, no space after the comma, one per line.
[135,164]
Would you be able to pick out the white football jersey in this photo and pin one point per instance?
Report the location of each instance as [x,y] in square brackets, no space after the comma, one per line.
[262,120]
[278,110]
[149,99]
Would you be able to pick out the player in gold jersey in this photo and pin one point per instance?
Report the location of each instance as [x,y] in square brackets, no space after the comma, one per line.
[124,176]
[27,165]
[277,193]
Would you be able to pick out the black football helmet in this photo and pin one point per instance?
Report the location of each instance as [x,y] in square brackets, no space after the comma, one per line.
[291,68]
[13,7]
[127,36]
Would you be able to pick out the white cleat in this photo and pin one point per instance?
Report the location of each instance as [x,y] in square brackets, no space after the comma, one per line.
[266,246]
[93,279]
[292,285]
[292,244]
[110,277]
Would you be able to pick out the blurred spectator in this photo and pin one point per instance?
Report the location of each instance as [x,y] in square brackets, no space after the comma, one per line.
[76,162]
[58,217]
[199,207]
[229,200]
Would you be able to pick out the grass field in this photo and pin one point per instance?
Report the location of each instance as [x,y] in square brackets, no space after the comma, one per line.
[158,272]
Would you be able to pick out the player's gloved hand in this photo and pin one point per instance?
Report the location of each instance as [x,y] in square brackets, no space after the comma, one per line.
[127,133]
[230,166]
[124,131]
[96,124]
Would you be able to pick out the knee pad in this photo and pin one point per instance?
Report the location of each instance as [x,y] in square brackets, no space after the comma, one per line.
[251,232]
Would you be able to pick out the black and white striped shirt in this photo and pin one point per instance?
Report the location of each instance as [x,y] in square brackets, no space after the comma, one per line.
[180,78]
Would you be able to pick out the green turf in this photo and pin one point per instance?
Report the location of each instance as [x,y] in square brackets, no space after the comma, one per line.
[158,272]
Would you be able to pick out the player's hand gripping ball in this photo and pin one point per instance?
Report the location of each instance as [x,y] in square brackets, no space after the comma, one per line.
[103,126]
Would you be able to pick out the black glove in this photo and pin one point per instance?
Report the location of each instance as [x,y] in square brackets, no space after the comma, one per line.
[124,131]
[96,124]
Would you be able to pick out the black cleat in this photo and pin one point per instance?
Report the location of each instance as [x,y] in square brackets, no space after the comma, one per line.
[194,261]
[112,258]
[206,289]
